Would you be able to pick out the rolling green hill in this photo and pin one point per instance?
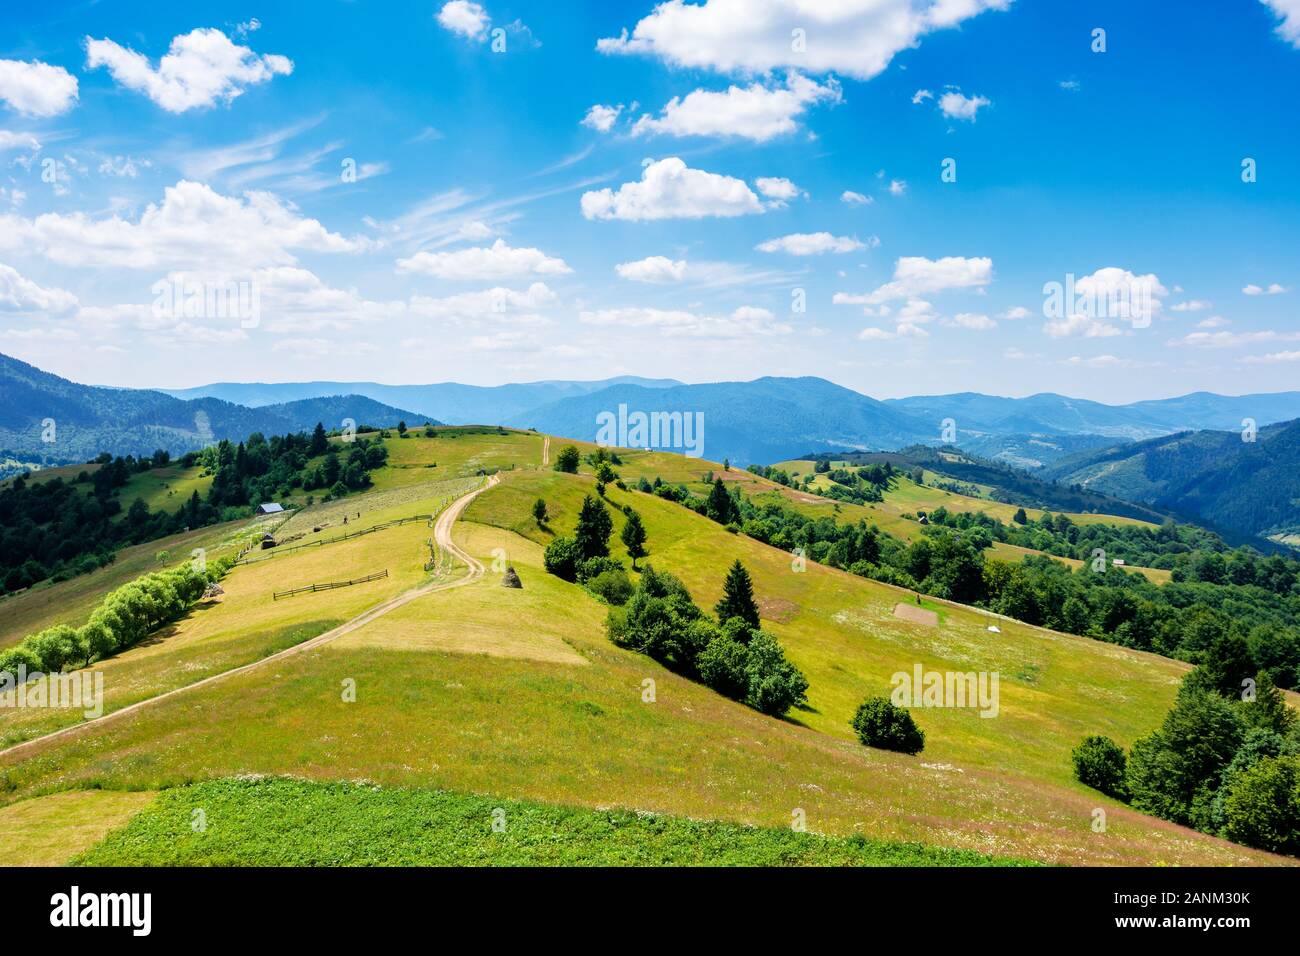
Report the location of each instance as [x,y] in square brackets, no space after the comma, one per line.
[518,693]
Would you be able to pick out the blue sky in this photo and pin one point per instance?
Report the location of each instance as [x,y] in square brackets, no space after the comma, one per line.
[426,193]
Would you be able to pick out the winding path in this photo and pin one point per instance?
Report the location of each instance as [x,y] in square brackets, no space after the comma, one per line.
[441,533]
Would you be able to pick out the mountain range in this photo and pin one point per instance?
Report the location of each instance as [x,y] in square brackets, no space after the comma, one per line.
[46,419]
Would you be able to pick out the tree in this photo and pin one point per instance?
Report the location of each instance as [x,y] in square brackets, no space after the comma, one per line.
[634,536]
[775,685]
[1100,763]
[594,528]
[738,597]
[539,512]
[1262,806]
[1020,517]
[319,443]
[561,558]
[401,429]
[880,723]
[567,460]
[719,506]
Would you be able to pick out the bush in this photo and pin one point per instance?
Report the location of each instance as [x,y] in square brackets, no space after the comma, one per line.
[594,567]
[879,723]
[612,586]
[1262,806]
[561,558]
[775,685]
[722,666]
[567,460]
[1100,763]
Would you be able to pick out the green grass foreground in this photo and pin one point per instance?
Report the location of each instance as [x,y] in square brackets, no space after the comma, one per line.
[282,822]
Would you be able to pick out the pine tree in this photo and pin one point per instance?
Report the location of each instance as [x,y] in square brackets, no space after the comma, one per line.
[738,597]
[593,531]
[720,507]
[318,440]
[539,512]
[634,537]
[567,460]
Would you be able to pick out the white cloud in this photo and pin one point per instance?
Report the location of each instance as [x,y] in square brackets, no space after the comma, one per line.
[897,187]
[1213,322]
[127,167]
[956,106]
[602,118]
[200,68]
[1288,11]
[498,261]
[742,323]
[11,140]
[1072,86]
[810,244]
[1192,305]
[1228,340]
[853,38]
[755,112]
[35,88]
[23,296]
[855,199]
[465,18]
[920,96]
[193,227]
[1272,289]
[655,269]
[669,189]
[1014,313]
[1080,325]
[776,187]
[497,303]
[917,275]
[1272,358]
[970,320]
[1103,361]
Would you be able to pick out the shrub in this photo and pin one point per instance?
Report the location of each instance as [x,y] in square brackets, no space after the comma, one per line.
[561,558]
[879,723]
[1100,763]
[775,685]
[722,666]
[567,460]
[612,586]
[1262,806]
[594,567]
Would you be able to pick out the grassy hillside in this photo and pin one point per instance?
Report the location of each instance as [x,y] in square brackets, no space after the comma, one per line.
[492,690]
[281,822]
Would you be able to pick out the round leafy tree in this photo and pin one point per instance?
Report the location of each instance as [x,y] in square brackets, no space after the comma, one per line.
[1100,763]
[879,723]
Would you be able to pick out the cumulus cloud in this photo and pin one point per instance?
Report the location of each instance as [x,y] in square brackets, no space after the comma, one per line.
[1015,312]
[1192,305]
[742,323]
[1288,12]
[193,227]
[36,89]
[855,199]
[810,244]
[776,187]
[498,261]
[1080,325]
[1272,358]
[20,295]
[669,189]
[602,118]
[754,36]
[956,106]
[1228,340]
[1273,288]
[897,187]
[465,18]
[756,112]
[11,140]
[920,96]
[502,304]
[653,269]
[200,68]
[917,275]
[976,322]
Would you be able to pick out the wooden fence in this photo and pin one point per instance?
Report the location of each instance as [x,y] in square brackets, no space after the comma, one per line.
[329,585]
[272,552]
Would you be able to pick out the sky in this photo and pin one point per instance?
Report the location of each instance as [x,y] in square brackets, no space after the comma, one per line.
[902,196]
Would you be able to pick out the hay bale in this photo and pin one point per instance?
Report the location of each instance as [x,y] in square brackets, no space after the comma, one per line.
[213,590]
[511,579]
